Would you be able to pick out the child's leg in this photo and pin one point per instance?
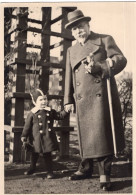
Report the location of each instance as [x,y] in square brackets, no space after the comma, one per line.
[33,160]
[48,164]
[104,165]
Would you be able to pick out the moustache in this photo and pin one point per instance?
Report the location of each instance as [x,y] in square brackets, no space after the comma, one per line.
[81,34]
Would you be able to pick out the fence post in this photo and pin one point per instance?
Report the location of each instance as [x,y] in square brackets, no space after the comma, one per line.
[64,146]
[17,110]
[45,51]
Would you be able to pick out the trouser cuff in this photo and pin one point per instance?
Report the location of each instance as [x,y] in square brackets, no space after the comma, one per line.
[104,179]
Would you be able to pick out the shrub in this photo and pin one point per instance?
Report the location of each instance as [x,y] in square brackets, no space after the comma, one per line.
[124,83]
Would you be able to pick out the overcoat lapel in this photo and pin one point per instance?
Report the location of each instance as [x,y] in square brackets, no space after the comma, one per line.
[79,52]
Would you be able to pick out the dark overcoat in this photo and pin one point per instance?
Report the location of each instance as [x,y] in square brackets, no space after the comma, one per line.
[42,120]
[90,95]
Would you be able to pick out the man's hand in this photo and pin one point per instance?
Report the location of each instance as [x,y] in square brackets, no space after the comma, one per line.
[68,107]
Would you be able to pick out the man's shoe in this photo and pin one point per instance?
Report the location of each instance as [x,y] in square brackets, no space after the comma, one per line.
[79,175]
[50,176]
[29,172]
[105,186]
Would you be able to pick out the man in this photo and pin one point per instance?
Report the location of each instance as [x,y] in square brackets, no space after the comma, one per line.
[93,59]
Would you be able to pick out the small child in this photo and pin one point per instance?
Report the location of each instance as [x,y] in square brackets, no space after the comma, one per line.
[39,129]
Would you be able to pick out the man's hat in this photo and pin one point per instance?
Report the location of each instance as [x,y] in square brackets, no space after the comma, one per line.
[75,17]
[35,94]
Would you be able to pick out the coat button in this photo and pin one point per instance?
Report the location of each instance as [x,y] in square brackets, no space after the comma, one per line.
[49,129]
[76,70]
[79,97]
[47,114]
[48,121]
[97,81]
[39,116]
[41,131]
[78,84]
[98,95]
[40,124]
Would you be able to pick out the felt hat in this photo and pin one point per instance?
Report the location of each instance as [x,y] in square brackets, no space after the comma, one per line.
[35,94]
[75,17]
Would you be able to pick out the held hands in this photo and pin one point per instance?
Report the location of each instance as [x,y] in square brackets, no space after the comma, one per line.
[69,108]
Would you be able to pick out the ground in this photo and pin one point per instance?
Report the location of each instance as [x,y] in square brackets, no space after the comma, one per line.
[17,183]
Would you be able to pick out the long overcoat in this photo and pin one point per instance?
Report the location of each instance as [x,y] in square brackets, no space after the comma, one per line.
[90,95]
[39,129]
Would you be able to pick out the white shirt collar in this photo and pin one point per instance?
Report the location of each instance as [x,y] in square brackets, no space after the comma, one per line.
[36,109]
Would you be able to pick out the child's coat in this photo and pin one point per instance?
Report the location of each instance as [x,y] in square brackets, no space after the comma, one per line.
[39,128]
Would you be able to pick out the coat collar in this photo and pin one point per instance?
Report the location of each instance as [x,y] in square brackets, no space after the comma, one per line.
[78,52]
[36,109]
[94,38]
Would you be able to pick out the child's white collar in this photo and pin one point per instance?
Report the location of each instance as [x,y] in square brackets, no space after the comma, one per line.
[36,109]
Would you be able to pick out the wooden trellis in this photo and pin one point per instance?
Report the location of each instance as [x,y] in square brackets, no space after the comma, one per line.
[20,63]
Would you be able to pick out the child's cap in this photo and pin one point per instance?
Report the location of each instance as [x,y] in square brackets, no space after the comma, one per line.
[35,94]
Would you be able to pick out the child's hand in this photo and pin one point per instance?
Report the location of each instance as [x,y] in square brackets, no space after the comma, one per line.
[23,139]
[68,107]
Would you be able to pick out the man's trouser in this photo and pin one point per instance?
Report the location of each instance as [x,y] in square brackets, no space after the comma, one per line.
[104,165]
[47,159]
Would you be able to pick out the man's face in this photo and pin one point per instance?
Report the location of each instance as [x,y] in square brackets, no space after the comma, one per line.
[81,31]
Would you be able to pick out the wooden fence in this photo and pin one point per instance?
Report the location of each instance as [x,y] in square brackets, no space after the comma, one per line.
[32,69]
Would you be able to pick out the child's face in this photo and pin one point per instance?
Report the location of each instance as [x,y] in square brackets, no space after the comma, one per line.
[41,102]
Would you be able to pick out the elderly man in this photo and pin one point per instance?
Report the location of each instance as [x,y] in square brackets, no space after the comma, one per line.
[93,59]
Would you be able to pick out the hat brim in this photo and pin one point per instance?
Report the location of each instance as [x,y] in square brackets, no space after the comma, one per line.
[71,24]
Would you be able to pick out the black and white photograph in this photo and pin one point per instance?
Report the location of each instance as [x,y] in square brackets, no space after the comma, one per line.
[68,90]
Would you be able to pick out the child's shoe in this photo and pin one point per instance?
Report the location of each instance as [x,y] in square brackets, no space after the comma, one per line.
[29,172]
[105,186]
[50,175]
